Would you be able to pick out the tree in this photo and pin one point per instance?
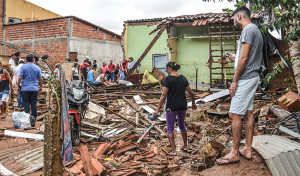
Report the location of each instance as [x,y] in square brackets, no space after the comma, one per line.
[287,17]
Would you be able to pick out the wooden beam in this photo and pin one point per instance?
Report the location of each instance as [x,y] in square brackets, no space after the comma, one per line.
[145,52]
[86,160]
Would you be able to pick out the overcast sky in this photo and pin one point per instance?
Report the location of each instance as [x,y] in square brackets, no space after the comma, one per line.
[111,14]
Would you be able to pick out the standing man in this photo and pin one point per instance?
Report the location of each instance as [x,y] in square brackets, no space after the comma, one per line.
[87,59]
[95,64]
[84,71]
[246,79]
[111,69]
[5,82]
[125,66]
[104,68]
[131,64]
[32,82]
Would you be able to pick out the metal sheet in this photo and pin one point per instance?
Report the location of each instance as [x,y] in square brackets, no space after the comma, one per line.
[281,154]
[23,160]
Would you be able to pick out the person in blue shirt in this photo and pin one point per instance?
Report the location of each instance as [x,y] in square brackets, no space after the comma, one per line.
[31,77]
[92,75]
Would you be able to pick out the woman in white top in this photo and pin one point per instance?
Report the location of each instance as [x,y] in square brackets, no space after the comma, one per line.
[15,77]
[75,75]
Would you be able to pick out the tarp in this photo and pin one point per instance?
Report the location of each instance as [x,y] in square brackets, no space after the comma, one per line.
[66,152]
[148,78]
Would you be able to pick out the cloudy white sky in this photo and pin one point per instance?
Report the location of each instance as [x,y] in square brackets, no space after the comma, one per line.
[111,14]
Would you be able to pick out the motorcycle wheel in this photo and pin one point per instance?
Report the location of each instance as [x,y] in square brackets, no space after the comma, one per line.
[75,130]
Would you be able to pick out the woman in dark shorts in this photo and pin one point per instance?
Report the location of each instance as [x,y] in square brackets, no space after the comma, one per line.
[174,98]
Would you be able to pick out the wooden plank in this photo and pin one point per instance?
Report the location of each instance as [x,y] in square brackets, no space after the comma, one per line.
[86,160]
[119,115]
[145,52]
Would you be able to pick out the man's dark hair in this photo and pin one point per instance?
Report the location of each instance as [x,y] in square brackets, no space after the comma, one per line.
[107,72]
[95,60]
[29,58]
[36,57]
[17,54]
[12,55]
[242,9]
[130,58]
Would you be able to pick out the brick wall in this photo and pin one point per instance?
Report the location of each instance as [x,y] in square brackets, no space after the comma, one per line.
[44,37]
[278,83]
[86,31]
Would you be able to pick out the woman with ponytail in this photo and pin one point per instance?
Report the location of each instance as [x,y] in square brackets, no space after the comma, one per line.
[175,106]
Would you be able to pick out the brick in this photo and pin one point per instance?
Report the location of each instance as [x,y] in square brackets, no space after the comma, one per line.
[86,160]
[101,149]
[289,101]
[98,168]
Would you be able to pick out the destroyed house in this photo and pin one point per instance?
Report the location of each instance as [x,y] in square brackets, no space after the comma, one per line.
[40,31]
[197,42]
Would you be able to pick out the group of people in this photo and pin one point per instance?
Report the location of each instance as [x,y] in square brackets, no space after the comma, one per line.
[26,82]
[247,61]
[108,73]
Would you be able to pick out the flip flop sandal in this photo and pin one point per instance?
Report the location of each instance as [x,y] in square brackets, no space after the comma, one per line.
[228,163]
[244,156]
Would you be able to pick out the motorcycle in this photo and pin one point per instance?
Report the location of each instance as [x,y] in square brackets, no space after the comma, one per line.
[78,99]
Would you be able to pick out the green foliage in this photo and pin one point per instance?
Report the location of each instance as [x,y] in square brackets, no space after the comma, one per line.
[227,10]
[289,82]
[277,69]
[239,4]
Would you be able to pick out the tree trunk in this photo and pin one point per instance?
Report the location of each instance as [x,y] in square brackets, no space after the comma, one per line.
[295,53]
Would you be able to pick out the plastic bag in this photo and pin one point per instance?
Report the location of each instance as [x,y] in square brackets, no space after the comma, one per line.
[21,120]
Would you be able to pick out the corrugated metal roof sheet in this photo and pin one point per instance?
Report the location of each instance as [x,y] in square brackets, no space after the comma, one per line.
[281,154]
[23,160]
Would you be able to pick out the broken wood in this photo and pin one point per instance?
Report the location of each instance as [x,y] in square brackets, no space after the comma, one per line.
[101,149]
[156,127]
[119,115]
[86,160]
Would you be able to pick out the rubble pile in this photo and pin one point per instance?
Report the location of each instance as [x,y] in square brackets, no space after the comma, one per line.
[111,141]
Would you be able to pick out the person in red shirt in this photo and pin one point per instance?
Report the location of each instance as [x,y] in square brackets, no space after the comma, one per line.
[125,65]
[111,69]
[104,68]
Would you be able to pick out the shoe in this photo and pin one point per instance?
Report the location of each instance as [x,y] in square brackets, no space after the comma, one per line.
[32,121]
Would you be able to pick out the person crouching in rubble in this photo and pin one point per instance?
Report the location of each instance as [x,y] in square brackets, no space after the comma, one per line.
[101,80]
[242,90]
[175,86]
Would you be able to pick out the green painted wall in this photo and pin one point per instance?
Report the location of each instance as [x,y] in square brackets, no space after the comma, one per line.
[138,39]
[192,53]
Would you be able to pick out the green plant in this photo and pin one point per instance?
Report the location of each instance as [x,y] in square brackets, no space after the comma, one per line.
[277,69]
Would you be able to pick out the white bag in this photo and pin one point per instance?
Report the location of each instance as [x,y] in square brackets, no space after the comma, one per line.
[21,120]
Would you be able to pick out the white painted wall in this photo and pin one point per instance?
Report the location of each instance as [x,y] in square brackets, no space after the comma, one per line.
[96,50]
